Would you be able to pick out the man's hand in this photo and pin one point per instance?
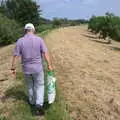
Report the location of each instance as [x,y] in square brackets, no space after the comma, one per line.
[13,71]
[50,67]
[48,61]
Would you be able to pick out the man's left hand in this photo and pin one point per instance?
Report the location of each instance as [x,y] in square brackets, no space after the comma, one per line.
[13,71]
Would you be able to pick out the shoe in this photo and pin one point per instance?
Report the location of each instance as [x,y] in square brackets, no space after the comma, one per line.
[31,104]
[40,111]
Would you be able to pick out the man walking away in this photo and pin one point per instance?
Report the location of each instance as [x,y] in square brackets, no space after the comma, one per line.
[31,48]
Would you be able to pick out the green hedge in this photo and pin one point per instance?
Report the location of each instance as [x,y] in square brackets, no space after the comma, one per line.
[10,30]
[44,27]
[108,25]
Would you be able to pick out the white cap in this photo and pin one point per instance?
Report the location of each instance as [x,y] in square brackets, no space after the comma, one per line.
[29,26]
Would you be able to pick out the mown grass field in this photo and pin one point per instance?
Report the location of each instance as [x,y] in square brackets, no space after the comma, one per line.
[88,72]
[14,105]
[88,75]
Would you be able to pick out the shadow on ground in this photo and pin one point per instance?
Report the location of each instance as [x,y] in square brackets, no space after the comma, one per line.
[18,93]
[90,36]
[100,41]
[96,39]
[115,48]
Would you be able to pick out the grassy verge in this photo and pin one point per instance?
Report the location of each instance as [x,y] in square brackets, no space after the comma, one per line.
[16,107]
[59,109]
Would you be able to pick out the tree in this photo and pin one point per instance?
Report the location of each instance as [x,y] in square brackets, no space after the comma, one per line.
[106,26]
[56,22]
[10,30]
[23,11]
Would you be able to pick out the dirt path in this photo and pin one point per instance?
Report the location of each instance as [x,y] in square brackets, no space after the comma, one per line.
[88,73]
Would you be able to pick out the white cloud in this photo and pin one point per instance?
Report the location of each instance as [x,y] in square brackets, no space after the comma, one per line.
[66,0]
[77,8]
[46,1]
[52,1]
[90,2]
[83,2]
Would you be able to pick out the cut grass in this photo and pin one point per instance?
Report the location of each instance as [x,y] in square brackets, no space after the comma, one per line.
[58,110]
[16,107]
[21,110]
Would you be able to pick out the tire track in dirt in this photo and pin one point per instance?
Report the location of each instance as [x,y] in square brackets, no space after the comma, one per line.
[88,73]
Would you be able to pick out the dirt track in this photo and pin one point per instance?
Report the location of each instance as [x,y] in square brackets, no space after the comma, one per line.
[88,73]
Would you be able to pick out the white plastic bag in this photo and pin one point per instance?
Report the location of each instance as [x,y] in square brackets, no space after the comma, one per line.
[51,83]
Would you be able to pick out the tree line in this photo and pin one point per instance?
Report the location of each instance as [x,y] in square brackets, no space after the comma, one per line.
[14,14]
[105,26]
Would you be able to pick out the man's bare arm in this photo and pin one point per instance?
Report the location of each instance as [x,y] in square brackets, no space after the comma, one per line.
[47,58]
[14,62]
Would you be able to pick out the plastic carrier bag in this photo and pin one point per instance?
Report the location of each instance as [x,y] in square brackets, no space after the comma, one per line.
[51,84]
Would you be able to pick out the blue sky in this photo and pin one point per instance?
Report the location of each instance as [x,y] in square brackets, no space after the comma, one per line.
[75,9]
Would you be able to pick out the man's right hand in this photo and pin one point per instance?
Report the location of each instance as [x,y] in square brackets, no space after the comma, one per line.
[50,67]
[48,61]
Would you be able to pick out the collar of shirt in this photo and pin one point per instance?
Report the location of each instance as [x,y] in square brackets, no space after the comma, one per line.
[28,34]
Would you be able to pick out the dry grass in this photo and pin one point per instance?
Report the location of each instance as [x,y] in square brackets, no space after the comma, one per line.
[88,72]
[5,60]
[13,99]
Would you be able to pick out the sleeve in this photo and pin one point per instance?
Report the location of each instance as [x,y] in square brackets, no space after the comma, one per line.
[43,47]
[17,50]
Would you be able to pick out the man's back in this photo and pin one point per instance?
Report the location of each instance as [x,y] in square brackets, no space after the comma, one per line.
[30,48]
